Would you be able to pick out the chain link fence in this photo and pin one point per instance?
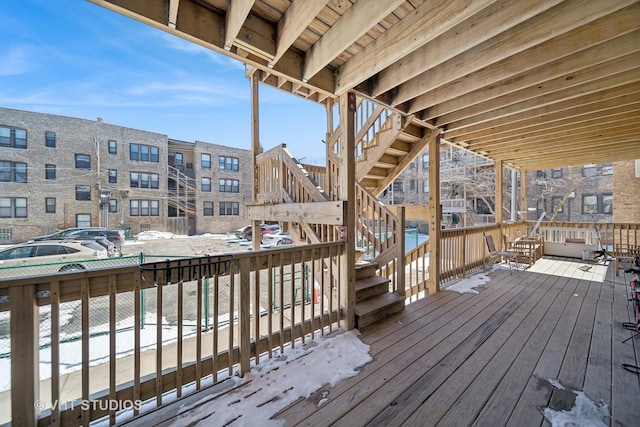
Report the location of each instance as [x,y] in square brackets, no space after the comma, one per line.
[219,296]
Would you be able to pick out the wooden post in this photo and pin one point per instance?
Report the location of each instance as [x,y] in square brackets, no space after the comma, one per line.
[435,215]
[255,150]
[25,381]
[499,192]
[400,252]
[245,316]
[347,191]
[523,196]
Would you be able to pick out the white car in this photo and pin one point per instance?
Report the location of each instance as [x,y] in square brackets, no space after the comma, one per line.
[47,257]
[277,238]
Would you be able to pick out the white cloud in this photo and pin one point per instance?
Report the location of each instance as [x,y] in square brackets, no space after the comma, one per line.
[18,59]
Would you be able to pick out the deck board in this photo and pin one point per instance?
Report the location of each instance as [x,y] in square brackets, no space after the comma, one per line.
[492,358]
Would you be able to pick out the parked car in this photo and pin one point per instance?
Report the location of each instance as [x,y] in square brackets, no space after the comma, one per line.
[114,236]
[56,256]
[240,231]
[264,229]
[277,238]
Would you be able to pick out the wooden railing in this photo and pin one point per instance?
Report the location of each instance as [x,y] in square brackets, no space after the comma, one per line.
[611,234]
[463,251]
[188,325]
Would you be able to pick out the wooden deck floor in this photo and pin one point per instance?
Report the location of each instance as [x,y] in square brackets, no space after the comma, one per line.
[494,358]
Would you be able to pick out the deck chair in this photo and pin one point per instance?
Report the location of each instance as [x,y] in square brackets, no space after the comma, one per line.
[510,257]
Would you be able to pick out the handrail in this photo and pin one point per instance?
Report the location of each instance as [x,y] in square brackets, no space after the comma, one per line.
[266,300]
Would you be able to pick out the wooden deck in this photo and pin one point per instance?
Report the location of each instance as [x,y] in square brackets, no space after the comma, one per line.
[494,358]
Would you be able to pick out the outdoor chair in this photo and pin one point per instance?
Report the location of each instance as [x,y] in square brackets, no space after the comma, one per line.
[510,257]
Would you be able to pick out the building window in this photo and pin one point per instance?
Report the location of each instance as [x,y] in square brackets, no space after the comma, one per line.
[83,192]
[412,165]
[12,137]
[207,209]
[144,153]
[113,146]
[49,171]
[113,206]
[13,207]
[556,173]
[229,208]
[144,180]
[589,204]
[83,161]
[229,186]
[398,186]
[607,204]
[541,174]
[425,187]
[50,205]
[425,161]
[13,171]
[113,176]
[83,220]
[229,163]
[144,208]
[49,139]
[6,235]
[597,170]
[205,160]
[412,185]
[175,158]
[555,201]
[205,184]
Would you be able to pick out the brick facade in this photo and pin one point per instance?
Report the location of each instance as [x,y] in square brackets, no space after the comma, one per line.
[626,190]
[104,167]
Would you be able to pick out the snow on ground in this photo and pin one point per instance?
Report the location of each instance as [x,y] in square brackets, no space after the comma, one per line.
[278,382]
[584,412]
[468,284]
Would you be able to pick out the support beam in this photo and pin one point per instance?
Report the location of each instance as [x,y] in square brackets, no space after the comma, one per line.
[499,191]
[435,216]
[236,15]
[347,193]
[255,151]
[331,213]
[295,20]
[523,195]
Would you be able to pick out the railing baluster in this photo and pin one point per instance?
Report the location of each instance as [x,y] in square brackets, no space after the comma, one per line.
[84,296]
[55,352]
[112,346]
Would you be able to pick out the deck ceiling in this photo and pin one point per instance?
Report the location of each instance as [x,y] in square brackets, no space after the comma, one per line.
[537,84]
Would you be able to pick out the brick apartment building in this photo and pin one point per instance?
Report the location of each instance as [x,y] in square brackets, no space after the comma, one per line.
[58,172]
[467,190]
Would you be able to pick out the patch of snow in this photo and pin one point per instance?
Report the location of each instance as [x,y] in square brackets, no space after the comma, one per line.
[280,381]
[468,284]
[584,413]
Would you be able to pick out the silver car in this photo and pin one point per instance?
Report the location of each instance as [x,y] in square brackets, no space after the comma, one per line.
[49,257]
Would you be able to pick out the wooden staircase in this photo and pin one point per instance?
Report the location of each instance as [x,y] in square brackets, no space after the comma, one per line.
[374,301]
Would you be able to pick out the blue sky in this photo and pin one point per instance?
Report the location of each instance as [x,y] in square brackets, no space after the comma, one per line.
[73,58]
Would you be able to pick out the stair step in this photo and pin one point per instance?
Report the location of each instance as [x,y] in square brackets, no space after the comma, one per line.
[365,269]
[377,308]
[369,287]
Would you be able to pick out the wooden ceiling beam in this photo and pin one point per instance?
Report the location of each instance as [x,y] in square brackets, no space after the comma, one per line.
[563,68]
[577,141]
[480,27]
[585,104]
[234,20]
[355,22]
[589,80]
[429,20]
[526,46]
[542,132]
[295,20]
[503,109]
[581,115]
